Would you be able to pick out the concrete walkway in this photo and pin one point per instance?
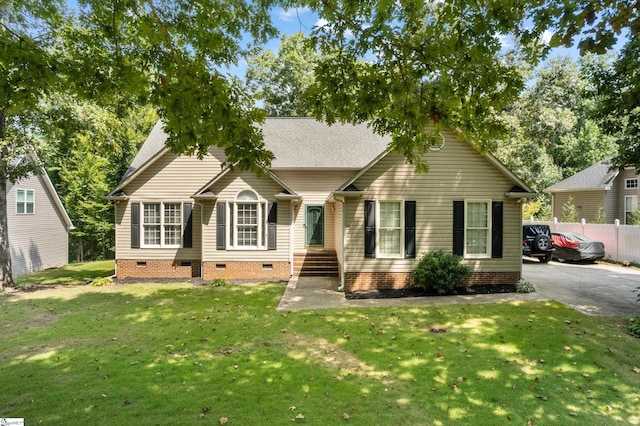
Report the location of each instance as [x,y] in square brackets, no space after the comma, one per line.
[322,292]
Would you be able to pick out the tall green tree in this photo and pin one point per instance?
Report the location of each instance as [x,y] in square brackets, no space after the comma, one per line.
[618,108]
[26,72]
[551,133]
[281,80]
[87,149]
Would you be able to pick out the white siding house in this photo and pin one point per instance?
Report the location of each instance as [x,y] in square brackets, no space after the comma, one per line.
[38,225]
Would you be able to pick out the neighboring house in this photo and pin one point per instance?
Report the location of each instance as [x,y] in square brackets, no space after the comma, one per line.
[331,190]
[38,225]
[598,188]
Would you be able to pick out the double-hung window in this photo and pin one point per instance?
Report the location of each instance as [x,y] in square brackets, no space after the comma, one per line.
[477,229]
[390,229]
[248,221]
[25,201]
[631,183]
[162,224]
[630,207]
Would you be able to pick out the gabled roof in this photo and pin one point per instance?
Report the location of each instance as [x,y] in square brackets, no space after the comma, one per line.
[520,189]
[49,186]
[205,191]
[290,139]
[597,177]
[301,143]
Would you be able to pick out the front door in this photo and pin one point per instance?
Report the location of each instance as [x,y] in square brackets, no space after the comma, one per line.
[314,224]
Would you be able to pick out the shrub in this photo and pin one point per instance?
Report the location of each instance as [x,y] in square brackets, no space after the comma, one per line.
[440,271]
[525,287]
[99,282]
[634,325]
[219,282]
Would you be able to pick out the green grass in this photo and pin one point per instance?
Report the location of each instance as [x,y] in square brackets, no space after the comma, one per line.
[73,274]
[165,354]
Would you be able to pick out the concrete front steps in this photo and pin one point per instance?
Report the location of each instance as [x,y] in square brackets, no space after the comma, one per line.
[315,263]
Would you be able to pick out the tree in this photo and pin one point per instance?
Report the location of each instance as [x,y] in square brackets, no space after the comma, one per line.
[87,149]
[619,103]
[280,80]
[26,71]
[173,54]
[569,211]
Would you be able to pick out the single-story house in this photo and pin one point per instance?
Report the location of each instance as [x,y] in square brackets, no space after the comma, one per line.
[38,224]
[335,201]
[598,189]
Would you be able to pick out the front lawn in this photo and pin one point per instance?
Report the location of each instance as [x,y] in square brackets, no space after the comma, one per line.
[72,274]
[160,354]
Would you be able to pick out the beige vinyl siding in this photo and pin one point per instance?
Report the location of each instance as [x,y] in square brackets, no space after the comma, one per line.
[457,172]
[37,241]
[315,186]
[227,188]
[171,178]
[586,203]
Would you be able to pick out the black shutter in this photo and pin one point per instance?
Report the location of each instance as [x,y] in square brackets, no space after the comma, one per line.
[272,226]
[410,229]
[370,228]
[458,228]
[135,225]
[221,236]
[496,229]
[187,225]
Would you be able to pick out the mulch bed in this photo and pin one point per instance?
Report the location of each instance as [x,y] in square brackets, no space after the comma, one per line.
[416,292]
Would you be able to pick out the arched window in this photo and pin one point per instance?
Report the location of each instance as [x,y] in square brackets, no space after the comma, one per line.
[247,214]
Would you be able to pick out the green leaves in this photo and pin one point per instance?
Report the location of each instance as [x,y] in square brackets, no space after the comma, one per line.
[406,67]
[281,80]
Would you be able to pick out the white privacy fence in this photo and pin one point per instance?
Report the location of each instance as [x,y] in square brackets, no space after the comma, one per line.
[621,242]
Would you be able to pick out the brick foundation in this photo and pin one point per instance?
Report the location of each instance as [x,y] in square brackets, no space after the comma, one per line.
[360,281]
[157,268]
[247,270]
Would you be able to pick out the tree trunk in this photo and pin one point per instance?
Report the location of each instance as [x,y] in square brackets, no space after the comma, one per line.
[6,276]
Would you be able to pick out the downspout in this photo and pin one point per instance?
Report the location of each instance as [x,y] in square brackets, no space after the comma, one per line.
[292,208]
[342,255]
[201,240]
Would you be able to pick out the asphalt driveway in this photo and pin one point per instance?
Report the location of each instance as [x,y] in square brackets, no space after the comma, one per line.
[594,289]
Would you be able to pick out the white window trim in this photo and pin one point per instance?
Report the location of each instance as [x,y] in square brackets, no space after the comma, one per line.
[25,200]
[634,202]
[379,254]
[231,236]
[486,255]
[627,181]
[162,225]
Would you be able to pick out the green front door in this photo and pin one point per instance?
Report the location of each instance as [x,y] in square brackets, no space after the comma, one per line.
[314,223]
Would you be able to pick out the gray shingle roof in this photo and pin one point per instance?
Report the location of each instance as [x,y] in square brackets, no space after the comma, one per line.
[297,143]
[595,177]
